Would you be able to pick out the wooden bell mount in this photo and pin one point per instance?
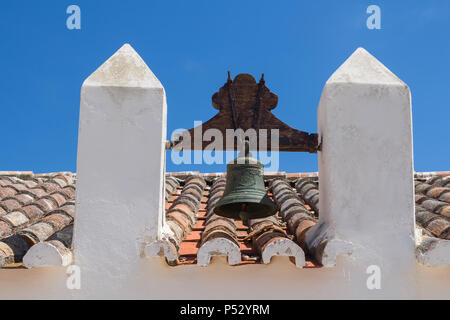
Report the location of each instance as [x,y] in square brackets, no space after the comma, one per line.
[246,104]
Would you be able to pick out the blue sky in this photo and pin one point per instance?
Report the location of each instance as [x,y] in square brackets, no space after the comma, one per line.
[190,45]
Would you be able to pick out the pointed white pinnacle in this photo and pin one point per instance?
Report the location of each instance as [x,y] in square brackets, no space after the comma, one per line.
[362,67]
[125,68]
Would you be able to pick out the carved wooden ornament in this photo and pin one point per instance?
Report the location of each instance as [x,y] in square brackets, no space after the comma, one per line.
[245,104]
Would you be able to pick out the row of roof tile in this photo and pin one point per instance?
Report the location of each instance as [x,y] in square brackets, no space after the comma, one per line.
[41,208]
[32,209]
[433,205]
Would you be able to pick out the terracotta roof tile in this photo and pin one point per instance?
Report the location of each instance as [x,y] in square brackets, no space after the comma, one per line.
[7,191]
[296,215]
[308,191]
[433,205]
[10,204]
[445,196]
[24,197]
[423,216]
[6,229]
[58,220]
[181,215]
[15,218]
[37,192]
[445,211]
[33,211]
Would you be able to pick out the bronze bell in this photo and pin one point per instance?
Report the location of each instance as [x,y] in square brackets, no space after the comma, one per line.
[245,196]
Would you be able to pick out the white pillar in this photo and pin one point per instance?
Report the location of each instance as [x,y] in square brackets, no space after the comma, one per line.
[366,164]
[120,170]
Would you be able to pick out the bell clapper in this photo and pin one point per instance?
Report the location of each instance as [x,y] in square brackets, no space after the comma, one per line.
[243,214]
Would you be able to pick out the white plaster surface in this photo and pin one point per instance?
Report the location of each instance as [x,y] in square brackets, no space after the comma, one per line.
[154,279]
[45,254]
[120,169]
[218,247]
[366,167]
